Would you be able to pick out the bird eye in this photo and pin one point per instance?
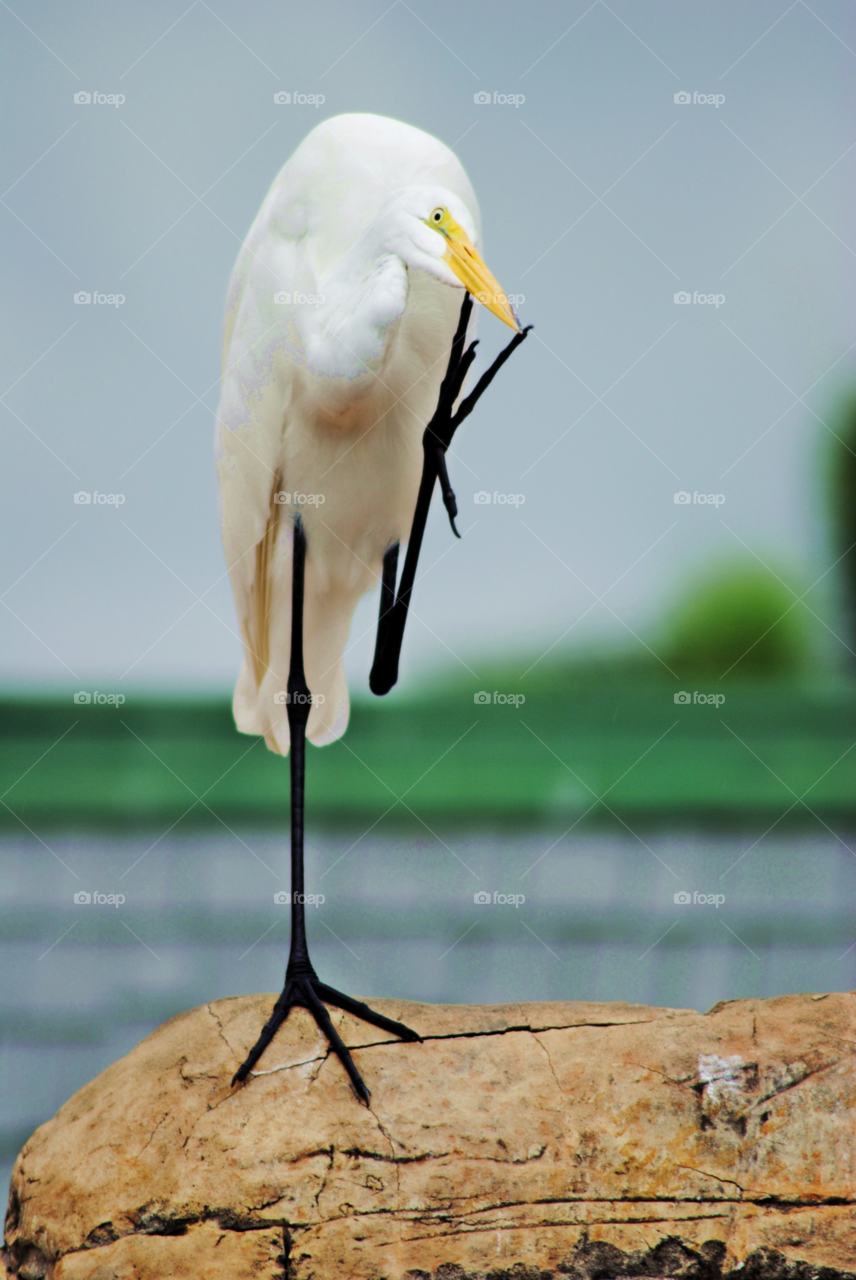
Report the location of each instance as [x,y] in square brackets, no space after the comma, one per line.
[437,215]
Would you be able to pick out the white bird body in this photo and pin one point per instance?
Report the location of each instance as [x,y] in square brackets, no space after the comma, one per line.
[325,396]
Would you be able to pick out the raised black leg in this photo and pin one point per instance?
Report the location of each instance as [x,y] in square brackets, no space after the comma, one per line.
[435,441]
[302,986]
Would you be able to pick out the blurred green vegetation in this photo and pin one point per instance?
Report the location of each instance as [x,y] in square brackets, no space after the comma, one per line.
[594,740]
[739,618]
[735,619]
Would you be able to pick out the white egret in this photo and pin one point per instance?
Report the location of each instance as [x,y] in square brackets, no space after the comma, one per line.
[338,345]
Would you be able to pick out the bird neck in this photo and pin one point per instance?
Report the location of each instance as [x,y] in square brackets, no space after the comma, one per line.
[349,335]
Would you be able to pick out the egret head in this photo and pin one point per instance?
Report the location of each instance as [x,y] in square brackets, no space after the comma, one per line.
[436,233]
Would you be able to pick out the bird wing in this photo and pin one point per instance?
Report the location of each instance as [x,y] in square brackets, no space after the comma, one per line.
[260,355]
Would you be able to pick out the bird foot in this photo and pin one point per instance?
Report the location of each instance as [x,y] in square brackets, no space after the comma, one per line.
[305,989]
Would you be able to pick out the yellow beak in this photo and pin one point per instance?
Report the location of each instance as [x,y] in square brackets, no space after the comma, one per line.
[464,259]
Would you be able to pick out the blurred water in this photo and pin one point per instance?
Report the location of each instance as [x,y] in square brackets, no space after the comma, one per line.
[82,982]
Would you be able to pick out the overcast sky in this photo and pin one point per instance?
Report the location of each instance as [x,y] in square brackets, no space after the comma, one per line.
[602,197]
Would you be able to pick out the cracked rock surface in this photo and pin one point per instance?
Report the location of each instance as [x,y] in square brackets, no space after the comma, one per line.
[528,1141]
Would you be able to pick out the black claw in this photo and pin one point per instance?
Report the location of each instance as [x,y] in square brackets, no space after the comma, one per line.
[469,402]
[341,1050]
[277,1018]
[449,500]
[307,991]
[366,1014]
[451,510]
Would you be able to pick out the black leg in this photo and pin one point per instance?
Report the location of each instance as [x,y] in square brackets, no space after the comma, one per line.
[298,708]
[435,442]
[302,986]
[387,600]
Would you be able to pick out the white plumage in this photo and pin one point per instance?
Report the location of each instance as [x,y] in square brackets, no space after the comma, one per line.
[339,321]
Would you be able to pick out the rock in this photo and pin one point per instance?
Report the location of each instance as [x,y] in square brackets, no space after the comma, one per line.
[528,1141]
